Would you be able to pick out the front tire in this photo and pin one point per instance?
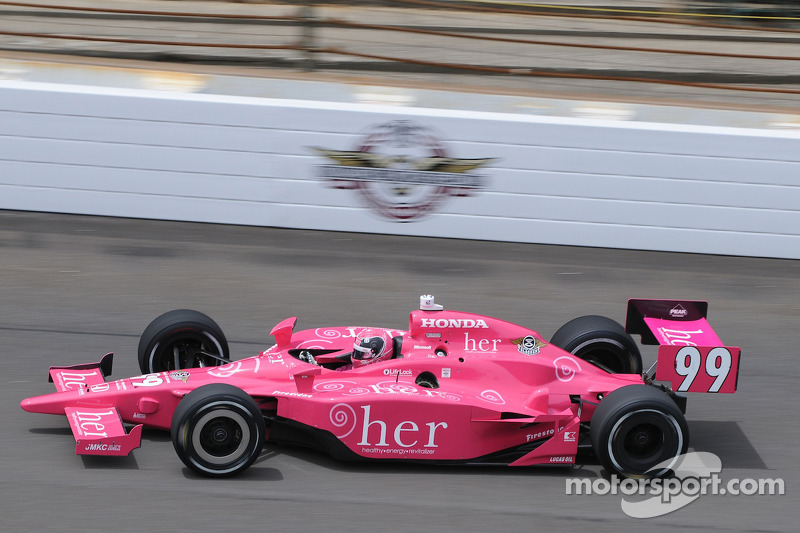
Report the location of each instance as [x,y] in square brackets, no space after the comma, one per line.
[218,430]
[636,428]
[178,339]
[602,342]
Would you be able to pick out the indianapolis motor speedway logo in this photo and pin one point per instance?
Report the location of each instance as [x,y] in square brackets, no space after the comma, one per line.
[401,171]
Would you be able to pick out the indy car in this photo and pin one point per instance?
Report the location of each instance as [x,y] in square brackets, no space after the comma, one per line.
[455,388]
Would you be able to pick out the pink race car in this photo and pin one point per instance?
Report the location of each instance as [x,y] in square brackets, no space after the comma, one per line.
[455,388]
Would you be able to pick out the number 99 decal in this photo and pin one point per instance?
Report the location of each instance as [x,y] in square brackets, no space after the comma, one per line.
[699,369]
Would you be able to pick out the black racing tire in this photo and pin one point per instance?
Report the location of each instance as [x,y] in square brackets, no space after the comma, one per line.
[602,342]
[636,428]
[180,336]
[218,430]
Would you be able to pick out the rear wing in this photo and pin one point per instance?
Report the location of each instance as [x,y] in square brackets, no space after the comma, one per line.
[98,430]
[691,356]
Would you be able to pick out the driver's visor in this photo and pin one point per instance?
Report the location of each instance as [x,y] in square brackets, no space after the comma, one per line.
[361,352]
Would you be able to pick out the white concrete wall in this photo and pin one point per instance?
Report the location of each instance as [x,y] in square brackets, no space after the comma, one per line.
[241,160]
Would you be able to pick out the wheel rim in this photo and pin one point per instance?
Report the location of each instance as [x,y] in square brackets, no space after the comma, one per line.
[221,437]
[642,439]
[184,351]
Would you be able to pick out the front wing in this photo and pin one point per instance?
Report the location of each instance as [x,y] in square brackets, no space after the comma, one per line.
[98,430]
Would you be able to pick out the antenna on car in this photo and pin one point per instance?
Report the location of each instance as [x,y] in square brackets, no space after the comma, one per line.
[426,303]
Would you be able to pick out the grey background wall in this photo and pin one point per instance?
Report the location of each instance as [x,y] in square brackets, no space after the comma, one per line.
[241,160]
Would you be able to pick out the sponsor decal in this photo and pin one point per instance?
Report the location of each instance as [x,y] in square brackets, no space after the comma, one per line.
[96,447]
[679,337]
[272,358]
[148,380]
[417,347]
[179,376]
[540,434]
[479,345]
[75,379]
[433,335]
[562,459]
[446,372]
[139,415]
[570,436]
[351,388]
[380,437]
[465,323]
[396,371]
[398,451]
[90,424]
[406,434]
[529,345]
[401,171]
[678,311]
[294,394]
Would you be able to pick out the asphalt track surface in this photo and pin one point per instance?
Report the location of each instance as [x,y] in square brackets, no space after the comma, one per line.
[76,287]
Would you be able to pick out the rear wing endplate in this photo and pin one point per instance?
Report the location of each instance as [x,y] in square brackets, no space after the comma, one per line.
[691,356]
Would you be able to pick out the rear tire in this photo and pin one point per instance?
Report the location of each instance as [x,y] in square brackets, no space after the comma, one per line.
[218,430]
[602,342]
[176,339]
[637,427]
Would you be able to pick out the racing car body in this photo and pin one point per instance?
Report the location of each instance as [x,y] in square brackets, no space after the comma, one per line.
[459,387]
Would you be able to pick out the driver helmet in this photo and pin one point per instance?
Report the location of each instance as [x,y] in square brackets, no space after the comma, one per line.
[371,346]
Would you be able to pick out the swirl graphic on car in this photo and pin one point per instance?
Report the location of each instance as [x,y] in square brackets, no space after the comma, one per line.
[343,417]
[566,368]
[492,396]
[226,371]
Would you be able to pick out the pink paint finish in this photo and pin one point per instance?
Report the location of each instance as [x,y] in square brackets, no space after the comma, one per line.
[561,448]
[477,364]
[283,331]
[699,368]
[99,431]
[691,355]
[461,387]
[76,376]
[683,333]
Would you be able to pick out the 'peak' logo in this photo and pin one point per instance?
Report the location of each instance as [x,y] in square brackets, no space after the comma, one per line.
[678,311]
